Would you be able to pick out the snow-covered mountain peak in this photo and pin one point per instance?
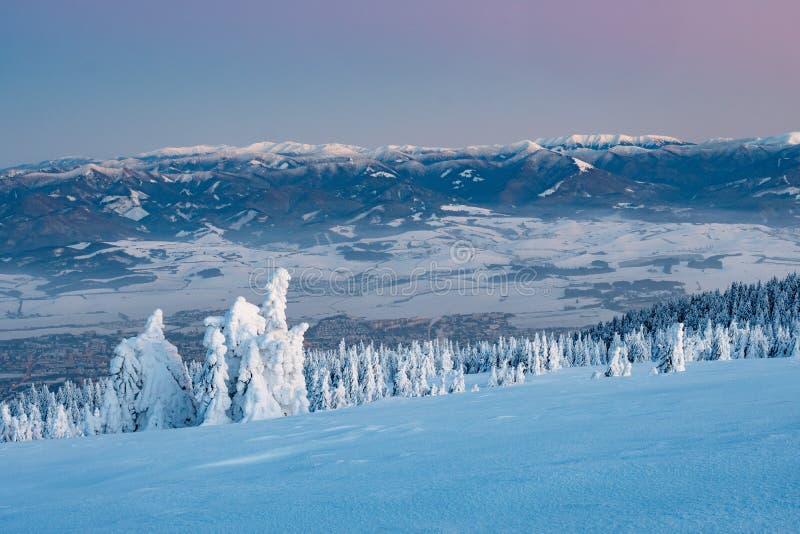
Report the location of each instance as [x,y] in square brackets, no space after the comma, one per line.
[285,148]
[303,153]
[780,140]
[179,151]
[606,141]
[522,147]
[788,138]
[328,151]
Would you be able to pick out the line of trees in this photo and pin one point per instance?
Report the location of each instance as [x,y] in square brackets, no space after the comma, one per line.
[256,368]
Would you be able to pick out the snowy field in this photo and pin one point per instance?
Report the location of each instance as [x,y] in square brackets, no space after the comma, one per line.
[712,449]
[575,272]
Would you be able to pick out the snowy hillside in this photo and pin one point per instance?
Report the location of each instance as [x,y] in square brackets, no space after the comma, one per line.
[714,448]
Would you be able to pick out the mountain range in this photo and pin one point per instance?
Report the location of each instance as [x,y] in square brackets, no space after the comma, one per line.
[288,191]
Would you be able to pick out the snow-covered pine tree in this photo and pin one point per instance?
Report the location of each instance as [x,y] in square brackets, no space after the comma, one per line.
[280,361]
[380,375]
[282,349]
[20,430]
[553,356]
[339,395]
[112,419]
[693,347]
[57,424]
[326,402]
[241,323]
[758,345]
[445,366]
[493,379]
[457,385]
[351,379]
[673,359]
[91,421]
[253,399]
[370,391]
[126,383]
[214,402]
[720,344]
[151,382]
[503,378]
[638,345]
[5,422]
[427,368]
[402,384]
[619,359]
[519,373]
[739,340]
[538,359]
[37,430]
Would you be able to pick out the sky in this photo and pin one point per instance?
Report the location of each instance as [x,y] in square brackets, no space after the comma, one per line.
[104,78]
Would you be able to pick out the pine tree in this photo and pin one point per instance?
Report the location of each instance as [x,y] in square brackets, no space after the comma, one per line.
[503,378]
[37,430]
[380,376]
[402,384]
[673,359]
[720,344]
[619,360]
[339,395]
[638,345]
[57,423]
[5,422]
[112,418]
[758,345]
[351,380]
[126,382]
[151,382]
[253,401]
[282,350]
[370,392]
[458,381]
[553,356]
[493,380]
[325,394]
[214,402]
[519,376]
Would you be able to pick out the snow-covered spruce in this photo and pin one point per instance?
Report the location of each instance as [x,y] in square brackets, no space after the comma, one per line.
[150,382]
[254,363]
[619,364]
[671,348]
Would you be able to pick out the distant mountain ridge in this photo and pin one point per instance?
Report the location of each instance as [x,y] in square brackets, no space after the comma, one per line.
[266,191]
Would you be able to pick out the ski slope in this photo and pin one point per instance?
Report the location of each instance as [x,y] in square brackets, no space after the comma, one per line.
[714,449]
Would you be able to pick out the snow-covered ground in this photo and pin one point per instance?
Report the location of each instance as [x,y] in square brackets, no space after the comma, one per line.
[573,269]
[713,449]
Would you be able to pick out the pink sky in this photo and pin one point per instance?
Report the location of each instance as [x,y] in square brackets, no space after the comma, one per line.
[106,78]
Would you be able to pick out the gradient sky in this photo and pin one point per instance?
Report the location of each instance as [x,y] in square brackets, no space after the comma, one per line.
[105,78]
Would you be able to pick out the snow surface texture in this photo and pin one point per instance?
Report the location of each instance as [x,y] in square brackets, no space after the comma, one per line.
[713,448]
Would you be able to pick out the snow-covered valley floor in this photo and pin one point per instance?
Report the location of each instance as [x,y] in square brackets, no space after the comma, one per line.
[712,449]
